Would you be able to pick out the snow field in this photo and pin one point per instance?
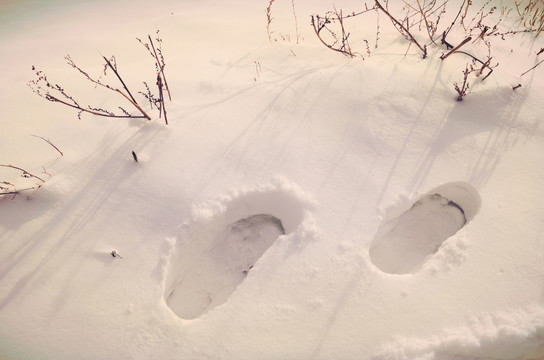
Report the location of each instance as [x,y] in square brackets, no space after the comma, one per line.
[337,150]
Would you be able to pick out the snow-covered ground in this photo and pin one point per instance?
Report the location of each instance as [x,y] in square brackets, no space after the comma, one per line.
[301,204]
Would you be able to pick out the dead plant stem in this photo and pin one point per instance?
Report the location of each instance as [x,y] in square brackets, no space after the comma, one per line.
[49,142]
[161,67]
[403,30]
[443,57]
[25,173]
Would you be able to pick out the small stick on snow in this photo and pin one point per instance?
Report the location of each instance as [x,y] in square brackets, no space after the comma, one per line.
[115,254]
[534,67]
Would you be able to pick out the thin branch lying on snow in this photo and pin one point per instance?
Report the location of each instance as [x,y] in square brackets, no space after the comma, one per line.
[50,143]
[114,253]
[534,67]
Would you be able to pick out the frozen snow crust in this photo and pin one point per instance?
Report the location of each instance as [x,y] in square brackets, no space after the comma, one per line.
[300,205]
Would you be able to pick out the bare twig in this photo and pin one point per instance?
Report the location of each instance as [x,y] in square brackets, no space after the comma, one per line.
[540,62]
[447,31]
[161,83]
[428,25]
[402,29]
[484,64]
[43,88]
[462,91]
[161,99]
[319,24]
[339,43]
[161,65]
[49,142]
[345,43]
[115,254]
[455,49]
[25,173]
[55,93]
[296,22]
[269,19]
[18,191]
[81,109]
[120,79]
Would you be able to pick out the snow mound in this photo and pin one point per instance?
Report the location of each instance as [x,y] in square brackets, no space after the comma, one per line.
[222,243]
[403,244]
[504,335]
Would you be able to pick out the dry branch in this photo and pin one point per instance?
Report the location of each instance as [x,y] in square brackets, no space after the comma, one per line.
[161,65]
[50,143]
[402,29]
[25,173]
[55,93]
[534,67]
[443,57]
[42,87]
[269,19]
[120,78]
[156,53]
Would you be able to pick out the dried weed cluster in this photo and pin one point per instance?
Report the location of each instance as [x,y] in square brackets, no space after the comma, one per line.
[457,27]
[56,93]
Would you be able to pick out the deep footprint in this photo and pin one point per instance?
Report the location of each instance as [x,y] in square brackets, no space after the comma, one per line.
[223,266]
[215,254]
[404,244]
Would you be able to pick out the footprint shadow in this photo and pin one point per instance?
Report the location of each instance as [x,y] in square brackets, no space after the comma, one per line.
[403,244]
[215,253]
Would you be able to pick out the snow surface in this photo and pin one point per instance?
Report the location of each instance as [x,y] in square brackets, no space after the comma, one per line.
[341,152]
